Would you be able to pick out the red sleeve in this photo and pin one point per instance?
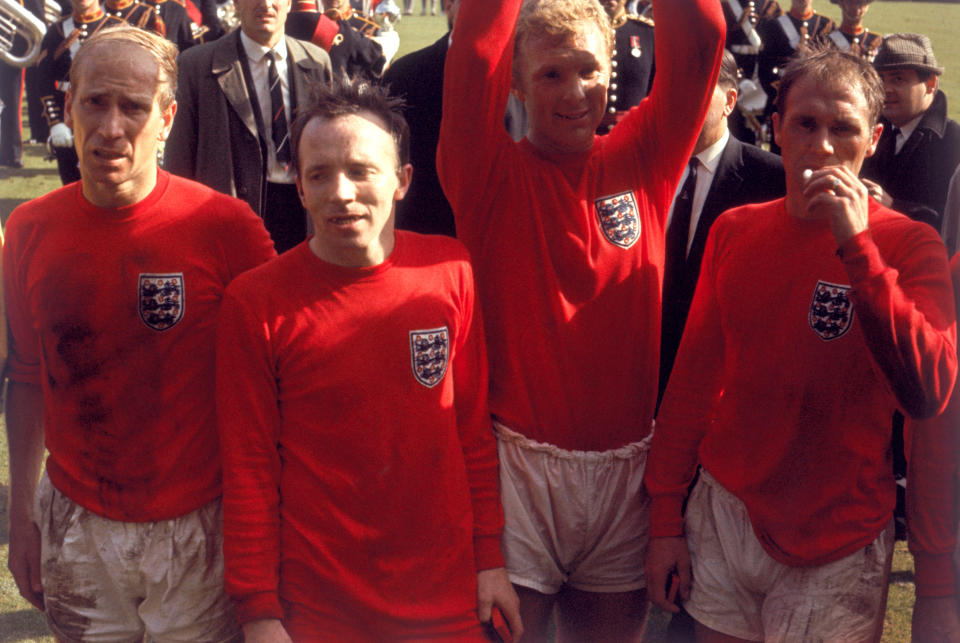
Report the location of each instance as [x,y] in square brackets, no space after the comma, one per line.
[932,502]
[245,241]
[476,434]
[693,391]
[23,361]
[476,84]
[689,41]
[249,425]
[907,315]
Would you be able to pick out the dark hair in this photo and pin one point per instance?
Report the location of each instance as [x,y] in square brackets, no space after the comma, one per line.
[345,95]
[729,72]
[830,66]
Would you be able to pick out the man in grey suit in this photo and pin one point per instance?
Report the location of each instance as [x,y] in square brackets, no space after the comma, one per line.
[237,97]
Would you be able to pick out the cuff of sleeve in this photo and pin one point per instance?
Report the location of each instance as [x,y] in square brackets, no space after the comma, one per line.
[666,517]
[933,574]
[861,257]
[486,552]
[258,606]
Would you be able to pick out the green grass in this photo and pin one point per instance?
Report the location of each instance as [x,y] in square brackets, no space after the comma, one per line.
[19,622]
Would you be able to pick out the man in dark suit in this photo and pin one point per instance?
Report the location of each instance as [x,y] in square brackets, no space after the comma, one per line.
[920,146]
[726,173]
[236,98]
[418,78]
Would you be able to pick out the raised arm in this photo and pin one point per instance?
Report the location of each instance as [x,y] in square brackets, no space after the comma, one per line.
[664,127]
[476,85]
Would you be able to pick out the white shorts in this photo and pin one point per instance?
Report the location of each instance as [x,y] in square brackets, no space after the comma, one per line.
[112,581]
[740,590]
[577,518]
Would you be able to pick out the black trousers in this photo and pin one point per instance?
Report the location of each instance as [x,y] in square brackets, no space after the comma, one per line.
[11,92]
[284,216]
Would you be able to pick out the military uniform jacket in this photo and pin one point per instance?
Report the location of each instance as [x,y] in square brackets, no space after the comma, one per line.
[179,28]
[57,49]
[632,75]
[918,178]
[737,42]
[864,44]
[215,138]
[782,37]
[136,14]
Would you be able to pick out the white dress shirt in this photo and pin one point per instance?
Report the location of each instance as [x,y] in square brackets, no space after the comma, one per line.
[259,64]
[709,160]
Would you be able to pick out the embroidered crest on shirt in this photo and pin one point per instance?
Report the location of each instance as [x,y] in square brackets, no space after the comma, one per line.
[429,354]
[161,299]
[619,218]
[831,311]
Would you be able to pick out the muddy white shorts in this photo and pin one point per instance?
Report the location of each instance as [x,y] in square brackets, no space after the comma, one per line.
[739,590]
[112,581]
[577,518]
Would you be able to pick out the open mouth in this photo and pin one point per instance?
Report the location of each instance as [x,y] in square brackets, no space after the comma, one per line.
[573,117]
[345,220]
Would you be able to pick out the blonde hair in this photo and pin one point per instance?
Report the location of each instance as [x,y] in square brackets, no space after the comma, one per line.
[160,49]
[560,19]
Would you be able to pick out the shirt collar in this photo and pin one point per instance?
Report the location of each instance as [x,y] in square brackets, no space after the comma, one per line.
[710,157]
[256,51]
[908,128]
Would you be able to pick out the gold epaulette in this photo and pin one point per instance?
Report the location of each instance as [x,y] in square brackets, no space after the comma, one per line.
[644,19]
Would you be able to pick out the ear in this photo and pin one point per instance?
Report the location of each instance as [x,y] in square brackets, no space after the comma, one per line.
[874,140]
[730,102]
[296,181]
[404,176]
[167,117]
[67,110]
[932,83]
[776,127]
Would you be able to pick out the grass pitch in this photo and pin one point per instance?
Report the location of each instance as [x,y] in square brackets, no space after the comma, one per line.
[20,622]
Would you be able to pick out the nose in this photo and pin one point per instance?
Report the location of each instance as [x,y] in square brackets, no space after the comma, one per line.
[823,143]
[344,190]
[111,125]
[574,90]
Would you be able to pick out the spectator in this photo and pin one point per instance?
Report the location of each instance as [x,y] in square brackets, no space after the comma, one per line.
[236,99]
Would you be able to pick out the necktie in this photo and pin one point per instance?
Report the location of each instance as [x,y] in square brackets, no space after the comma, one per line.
[679,230]
[278,131]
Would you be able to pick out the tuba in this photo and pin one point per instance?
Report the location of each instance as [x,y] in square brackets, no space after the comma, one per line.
[14,21]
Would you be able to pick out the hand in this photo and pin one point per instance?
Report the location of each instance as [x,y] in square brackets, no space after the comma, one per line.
[666,557]
[936,618]
[837,194]
[878,194]
[494,589]
[23,560]
[61,135]
[267,630]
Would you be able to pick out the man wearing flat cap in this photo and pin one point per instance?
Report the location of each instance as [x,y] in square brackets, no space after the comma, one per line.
[920,146]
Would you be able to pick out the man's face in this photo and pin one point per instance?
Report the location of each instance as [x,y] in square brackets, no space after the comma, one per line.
[263,20]
[348,182]
[905,96]
[823,125]
[563,85]
[613,7]
[84,7]
[853,11]
[801,6]
[117,123]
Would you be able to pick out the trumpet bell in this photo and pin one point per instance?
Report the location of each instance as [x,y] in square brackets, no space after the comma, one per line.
[17,21]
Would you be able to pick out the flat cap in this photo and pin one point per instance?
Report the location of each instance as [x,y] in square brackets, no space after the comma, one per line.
[906,50]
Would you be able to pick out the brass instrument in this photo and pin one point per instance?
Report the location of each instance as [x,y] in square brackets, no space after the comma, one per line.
[17,21]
